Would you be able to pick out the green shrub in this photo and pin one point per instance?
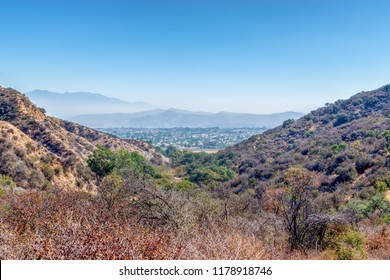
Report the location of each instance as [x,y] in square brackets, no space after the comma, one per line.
[46,185]
[386,134]
[6,181]
[48,171]
[371,133]
[361,165]
[288,122]
[381,186]
[165,183]
[351,246]
[2,193]
[363,208]
[58,169]
[79,183]
[339,147]
[360,207]
[341,119]
[386,88]
[43,111]
[386,219]
[85,172]
[184,185]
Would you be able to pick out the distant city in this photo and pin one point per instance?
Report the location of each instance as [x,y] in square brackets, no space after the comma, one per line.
[197,139]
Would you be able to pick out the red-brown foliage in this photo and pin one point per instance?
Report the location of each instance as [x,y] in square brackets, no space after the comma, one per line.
[75,225]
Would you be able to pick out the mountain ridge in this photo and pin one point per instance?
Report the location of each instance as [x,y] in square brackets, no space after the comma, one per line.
[180,118]
[99,111]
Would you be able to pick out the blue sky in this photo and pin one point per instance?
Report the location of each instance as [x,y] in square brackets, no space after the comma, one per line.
[246,56]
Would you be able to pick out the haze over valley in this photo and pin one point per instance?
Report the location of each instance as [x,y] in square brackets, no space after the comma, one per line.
[99,111]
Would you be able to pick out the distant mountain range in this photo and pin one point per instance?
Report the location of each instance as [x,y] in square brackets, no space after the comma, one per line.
[180,118]
[65,105]
[99,111]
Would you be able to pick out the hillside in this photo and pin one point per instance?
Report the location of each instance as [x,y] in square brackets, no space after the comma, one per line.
[180,118]
[37,150]
[346,143]
[68,104]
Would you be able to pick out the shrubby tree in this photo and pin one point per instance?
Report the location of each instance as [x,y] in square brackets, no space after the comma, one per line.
[341,119]
[112,189]
[304,222]
[170,151]
[102,161]
[126,178]
[296,204]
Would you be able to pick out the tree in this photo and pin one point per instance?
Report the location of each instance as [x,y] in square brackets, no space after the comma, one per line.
[296,204]
[112,190]
[102,161]
[304,221]
[341,119]
[170,151]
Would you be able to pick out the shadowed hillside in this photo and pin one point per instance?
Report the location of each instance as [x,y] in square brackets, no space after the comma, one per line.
[346,143]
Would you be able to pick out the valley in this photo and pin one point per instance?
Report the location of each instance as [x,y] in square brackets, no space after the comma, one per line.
[198,139]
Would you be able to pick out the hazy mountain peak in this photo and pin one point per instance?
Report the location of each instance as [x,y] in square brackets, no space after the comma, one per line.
[67,104]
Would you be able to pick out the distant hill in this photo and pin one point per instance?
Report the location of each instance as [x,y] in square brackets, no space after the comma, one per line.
[181,118]
[37,151]
[64,105]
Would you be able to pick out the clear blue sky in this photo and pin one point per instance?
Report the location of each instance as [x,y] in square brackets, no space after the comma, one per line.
[247,56]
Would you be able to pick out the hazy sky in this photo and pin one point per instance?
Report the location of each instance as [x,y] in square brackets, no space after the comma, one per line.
[246,56]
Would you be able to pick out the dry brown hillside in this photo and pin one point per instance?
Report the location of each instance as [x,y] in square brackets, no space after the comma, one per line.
[39,151]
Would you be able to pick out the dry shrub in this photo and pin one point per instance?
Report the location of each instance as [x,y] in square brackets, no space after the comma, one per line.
[223,244]
[75,225]
[378,244]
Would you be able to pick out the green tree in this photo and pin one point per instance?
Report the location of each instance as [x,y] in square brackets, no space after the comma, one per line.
[341,119]
[102,161]
[170,151]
